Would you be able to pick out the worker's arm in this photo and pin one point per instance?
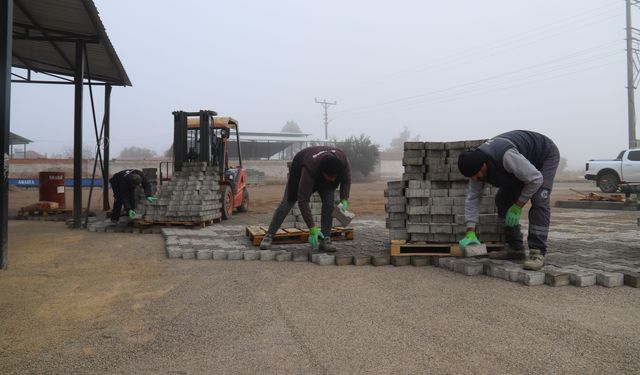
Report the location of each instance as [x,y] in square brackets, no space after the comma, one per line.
[345,184]
[146,186]
[516,164]
[305,189]
[472,204]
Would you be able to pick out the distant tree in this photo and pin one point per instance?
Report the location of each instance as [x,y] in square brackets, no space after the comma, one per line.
[88,152]
[563,164]
[397,143]
[291,127]
[135,152]
[362,153]
[169,152]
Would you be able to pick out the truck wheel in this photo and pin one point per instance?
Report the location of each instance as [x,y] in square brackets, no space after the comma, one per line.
[244,206]
[608,183]
[227,202]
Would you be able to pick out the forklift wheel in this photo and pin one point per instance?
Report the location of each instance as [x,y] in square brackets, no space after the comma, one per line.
[244,206]
[227,202]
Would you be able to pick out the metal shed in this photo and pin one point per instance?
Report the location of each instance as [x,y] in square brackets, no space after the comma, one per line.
[66,42]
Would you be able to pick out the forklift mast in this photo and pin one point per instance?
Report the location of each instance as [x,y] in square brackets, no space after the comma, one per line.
[199,137]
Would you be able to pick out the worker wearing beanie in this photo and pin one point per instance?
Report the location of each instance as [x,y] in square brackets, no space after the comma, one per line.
[321,169]
[522,164]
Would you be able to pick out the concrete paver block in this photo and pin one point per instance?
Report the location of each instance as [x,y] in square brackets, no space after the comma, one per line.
[361,260]
[174,252]
[188,254]
[219,255]
[325,260]
[267,255]
[610,279]
[203,254]
[419,261]
[344,260]
[380,260]
[400,261]
[234,254]
[299,257]
[632,279]
[250,255]
[532,278]
[582,279]
[556,278]
[473,269]
[283,256]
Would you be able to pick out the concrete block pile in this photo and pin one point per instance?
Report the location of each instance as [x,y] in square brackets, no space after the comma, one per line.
[192,195]
[428,204]
[316,210]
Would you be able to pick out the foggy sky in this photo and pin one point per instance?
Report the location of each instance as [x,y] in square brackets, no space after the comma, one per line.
[445,70]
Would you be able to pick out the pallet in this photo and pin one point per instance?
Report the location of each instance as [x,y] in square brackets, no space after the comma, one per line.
[404,248]
[141,223]
[294,235]
[52,212]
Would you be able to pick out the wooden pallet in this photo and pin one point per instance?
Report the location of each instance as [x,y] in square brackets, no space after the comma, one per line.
[404,248]
[294,235]
[52,212]
[141,223]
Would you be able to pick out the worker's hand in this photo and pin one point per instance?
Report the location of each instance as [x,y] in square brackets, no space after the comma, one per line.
[345,205]
[132,214]
[152,199]
[513,215]
[314,233]
[469,239]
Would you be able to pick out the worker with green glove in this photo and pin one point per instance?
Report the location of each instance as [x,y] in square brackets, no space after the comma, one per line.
[522,164]
[124,184]
[321,169]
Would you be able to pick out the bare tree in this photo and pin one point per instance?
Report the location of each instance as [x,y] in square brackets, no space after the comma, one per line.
[291,127]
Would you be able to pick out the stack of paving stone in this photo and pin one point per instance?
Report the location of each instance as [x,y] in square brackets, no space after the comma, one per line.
[428,204]
[316,210]
[192,196]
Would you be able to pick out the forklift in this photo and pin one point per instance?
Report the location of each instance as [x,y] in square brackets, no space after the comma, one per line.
[204,137]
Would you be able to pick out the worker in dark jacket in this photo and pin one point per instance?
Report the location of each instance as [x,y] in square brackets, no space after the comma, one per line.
[522,164]
[124,184]
[320,169]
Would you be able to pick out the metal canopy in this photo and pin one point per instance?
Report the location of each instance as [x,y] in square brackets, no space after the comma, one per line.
[42,31]
[15,139]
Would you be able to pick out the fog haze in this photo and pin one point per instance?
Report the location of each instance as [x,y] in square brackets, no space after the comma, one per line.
[445,70]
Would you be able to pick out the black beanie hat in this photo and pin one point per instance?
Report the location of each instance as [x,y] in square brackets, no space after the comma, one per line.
[331,166]
[470,162]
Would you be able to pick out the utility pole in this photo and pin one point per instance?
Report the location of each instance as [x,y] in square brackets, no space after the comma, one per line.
[326,105]
[632,73]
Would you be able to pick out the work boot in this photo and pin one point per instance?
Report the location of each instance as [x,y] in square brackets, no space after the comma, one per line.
[265,244]
[326,245]
[535,260]
[507,253]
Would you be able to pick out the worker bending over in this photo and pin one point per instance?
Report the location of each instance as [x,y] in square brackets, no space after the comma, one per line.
[522,164]
[124,185]
[321,169]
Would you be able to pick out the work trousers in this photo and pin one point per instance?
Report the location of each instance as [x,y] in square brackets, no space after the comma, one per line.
[126,199]
[540,211]
[327,197]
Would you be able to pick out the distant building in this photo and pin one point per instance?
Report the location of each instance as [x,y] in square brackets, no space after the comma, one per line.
[17,140]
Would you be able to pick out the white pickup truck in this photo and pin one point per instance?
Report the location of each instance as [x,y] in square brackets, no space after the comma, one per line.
[609,174]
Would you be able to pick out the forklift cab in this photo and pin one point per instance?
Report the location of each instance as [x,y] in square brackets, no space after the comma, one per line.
[203,137]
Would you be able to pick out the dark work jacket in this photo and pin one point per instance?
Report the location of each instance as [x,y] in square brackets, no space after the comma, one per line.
[535,147]
[305,177]
[124,189]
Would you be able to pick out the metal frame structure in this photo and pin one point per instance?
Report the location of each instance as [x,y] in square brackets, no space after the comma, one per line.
[47,24]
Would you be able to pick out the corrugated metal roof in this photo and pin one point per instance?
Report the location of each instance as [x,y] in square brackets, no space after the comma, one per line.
[63,20]
[15,139]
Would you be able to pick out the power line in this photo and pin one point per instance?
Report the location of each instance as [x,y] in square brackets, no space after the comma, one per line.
[326,105]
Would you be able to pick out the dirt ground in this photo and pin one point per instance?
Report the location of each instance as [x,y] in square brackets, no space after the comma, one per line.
[73,301]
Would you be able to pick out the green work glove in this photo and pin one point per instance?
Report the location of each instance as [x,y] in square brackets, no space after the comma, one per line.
[314,233]
[132,214]
[513,215]
[152,199]
[469,239]
[345,205]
